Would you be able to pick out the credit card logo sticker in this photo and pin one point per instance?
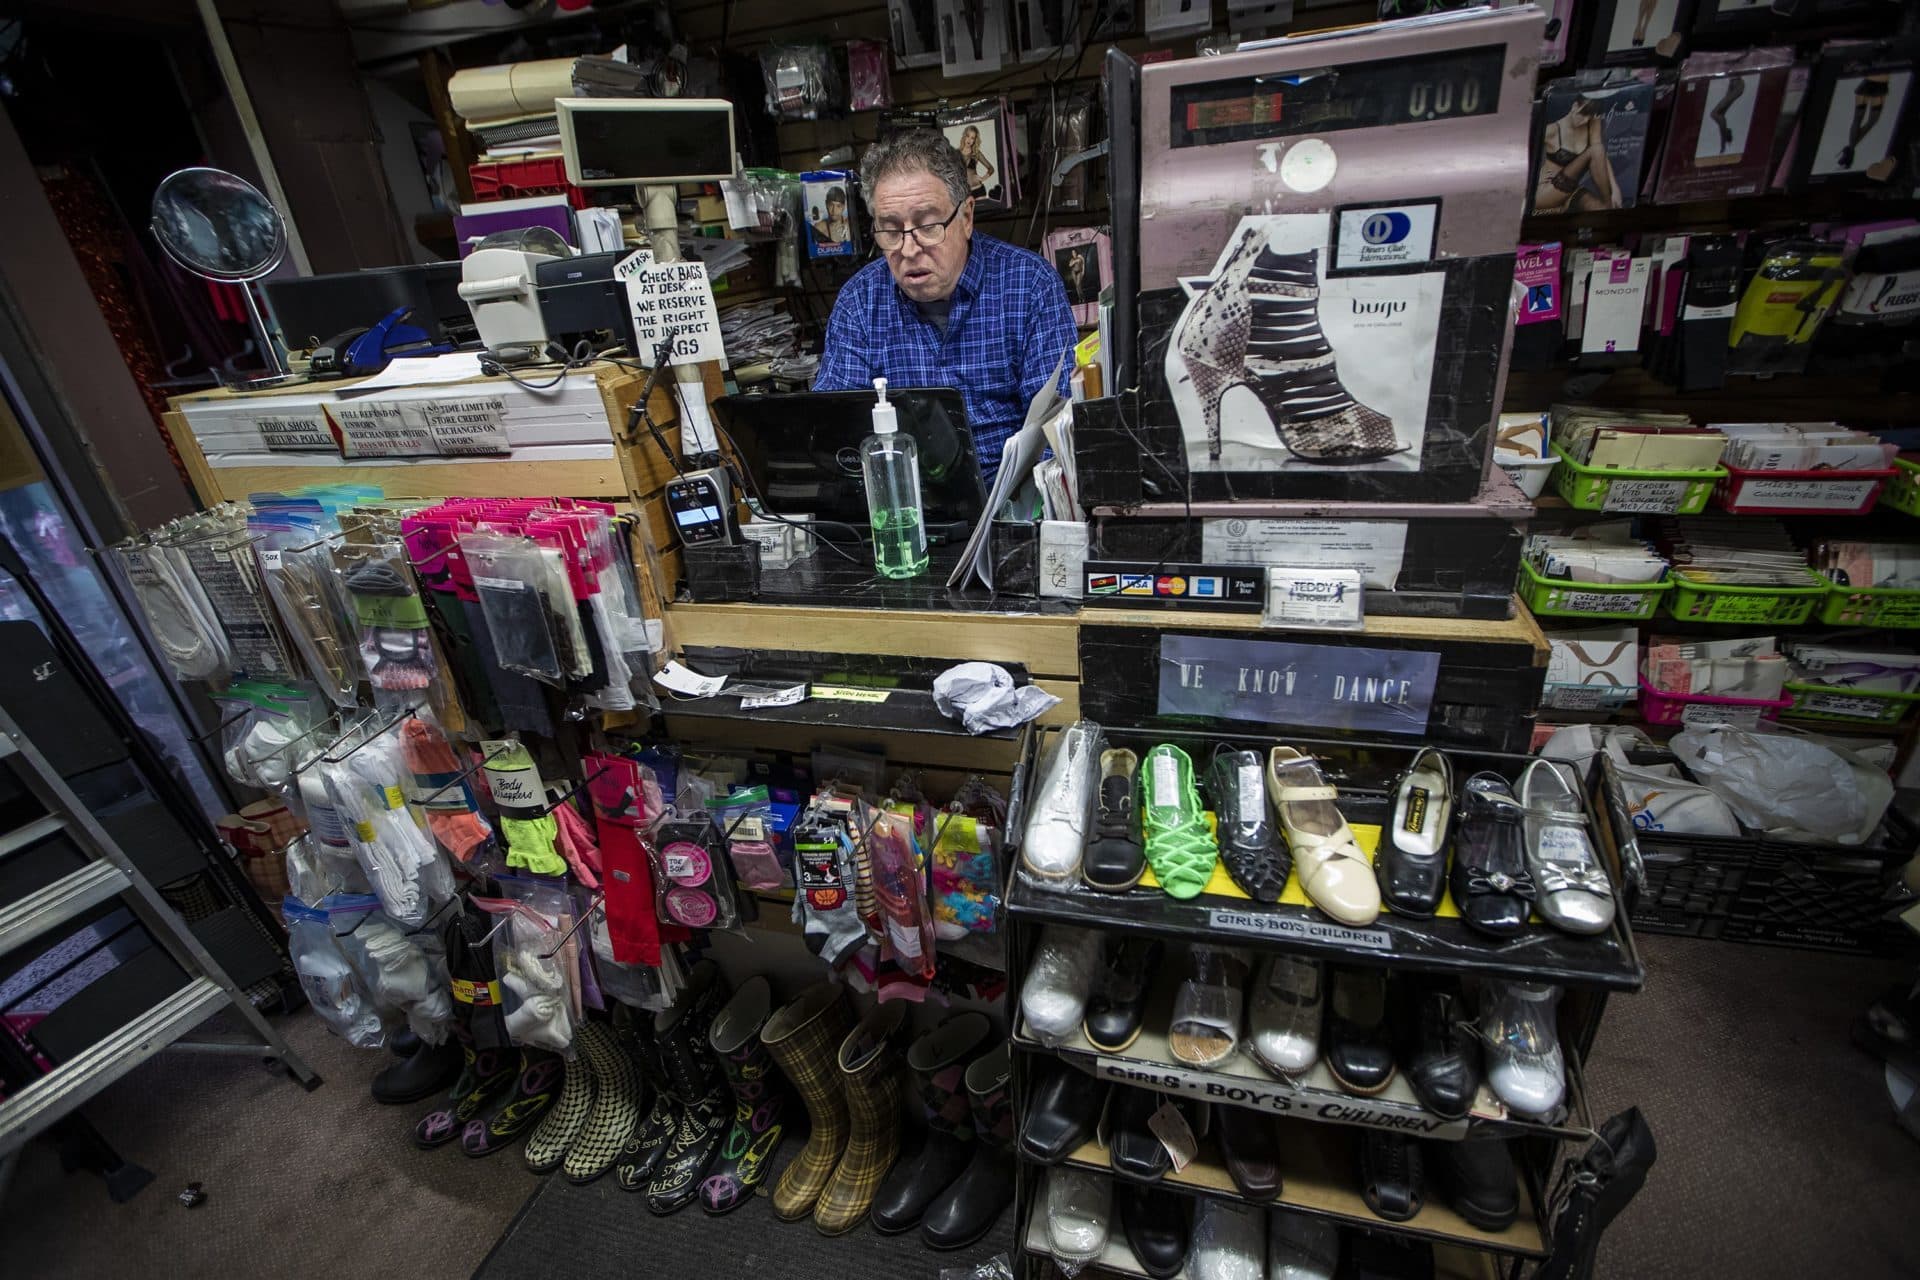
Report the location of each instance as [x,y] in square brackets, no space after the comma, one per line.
[1389,226]
[1170,586]
[1136,584]
[1103,584]
[1206,588]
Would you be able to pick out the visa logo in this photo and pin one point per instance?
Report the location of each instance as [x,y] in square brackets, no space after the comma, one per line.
[1136,584]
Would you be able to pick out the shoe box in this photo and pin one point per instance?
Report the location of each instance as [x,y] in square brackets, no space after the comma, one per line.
[1756,888]
[1315,160]
[1436,689]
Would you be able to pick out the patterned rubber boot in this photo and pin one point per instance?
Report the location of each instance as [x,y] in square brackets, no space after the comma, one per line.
[937,1063]
[802,1038]
[695,1080]
[547,1144]
[534,1089]
[760,1100]
[485,1077]
[616,1105]
[640,1153]
[869,1062]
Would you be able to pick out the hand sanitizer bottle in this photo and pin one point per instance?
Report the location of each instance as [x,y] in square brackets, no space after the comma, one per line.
[891,464]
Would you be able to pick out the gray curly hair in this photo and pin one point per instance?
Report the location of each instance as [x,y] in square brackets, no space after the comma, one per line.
[915,151]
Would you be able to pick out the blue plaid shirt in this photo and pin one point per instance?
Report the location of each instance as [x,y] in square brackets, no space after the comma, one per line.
[1007,327]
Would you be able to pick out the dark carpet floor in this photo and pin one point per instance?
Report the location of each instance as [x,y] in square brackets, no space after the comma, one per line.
[1778,1157]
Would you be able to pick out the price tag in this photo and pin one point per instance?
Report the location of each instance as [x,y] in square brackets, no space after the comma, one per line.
[1843,704]
[1599,601]
[1314,598]
[691,684]
[785,698]
[1806,495]
[844,693]
[1175,1134]
[1702,714]
[1575,697]
[1647,497]
[1166,783]
[270,561]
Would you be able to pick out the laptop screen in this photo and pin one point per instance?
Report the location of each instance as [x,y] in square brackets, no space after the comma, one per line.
[802,450]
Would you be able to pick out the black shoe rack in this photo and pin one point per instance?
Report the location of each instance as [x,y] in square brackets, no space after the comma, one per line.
[1322,1124]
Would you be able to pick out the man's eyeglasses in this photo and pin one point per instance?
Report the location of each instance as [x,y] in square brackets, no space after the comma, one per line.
[928,235]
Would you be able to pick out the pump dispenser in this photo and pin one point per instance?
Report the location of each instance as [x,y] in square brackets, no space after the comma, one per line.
[890,462]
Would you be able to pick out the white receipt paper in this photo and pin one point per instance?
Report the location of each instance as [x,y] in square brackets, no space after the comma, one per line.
[692,684]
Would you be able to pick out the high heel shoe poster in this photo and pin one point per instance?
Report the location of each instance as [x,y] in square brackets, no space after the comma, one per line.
[1273,366]
[1720,135]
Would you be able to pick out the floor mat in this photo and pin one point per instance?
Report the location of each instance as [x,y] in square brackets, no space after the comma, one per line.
[599,1230]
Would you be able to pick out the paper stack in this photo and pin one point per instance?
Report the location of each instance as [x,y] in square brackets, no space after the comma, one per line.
[1605,552]
[1746,668]
[1627,440]
[1803,446]
[1854,665]
[1733,551]
[1870,564]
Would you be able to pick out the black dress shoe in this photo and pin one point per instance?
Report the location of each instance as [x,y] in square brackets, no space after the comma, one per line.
[1252,851]
[1133,1150]
[1355,1044]
[1480,1181]
[1490,882]
[1115,859]
[1062,1113]
[1438,1049]
[1119,999]
[1250,1145]
[1156,1225]
[1391,1181]
[1412,862]
[431,1068]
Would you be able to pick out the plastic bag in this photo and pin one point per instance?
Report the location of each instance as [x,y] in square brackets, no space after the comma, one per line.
[745,819]
[405,971]
[995,1268]
[899,885]
[396,644]
[1054,999]
[178,613]
[966,875]
[296,565]
[262,730]
[983,697]
[536,973]
[1789,787]
[692,880]
[368,784]
[333,987]
[511,579]
[1655,797]
[1060,811]
[872,82]
[801,81]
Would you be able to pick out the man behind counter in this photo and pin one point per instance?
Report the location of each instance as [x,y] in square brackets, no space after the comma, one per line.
[946,306]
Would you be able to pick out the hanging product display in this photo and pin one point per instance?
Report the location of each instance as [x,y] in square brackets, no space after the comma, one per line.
[1304,349]
[915,25]
[802,82]
[1637,32]
[1794,283]
[1857,113]
[981,133]
[1084,260]
[871,81]
[830,200]
[1719,139]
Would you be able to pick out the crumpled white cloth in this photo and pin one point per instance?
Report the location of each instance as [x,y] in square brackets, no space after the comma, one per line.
[983,697]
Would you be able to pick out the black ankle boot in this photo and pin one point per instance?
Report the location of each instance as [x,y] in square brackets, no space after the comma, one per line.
[1605,1181]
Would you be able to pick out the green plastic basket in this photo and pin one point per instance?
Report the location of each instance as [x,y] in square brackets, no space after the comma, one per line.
[1828,704]
[1871,607]
[1773,606]
[1592,488]
[1552,598]
[1902,493]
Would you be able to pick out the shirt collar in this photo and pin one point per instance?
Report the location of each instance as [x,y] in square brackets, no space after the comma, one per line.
[974,273]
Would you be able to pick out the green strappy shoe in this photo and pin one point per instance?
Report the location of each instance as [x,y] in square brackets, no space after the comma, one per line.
[1180,848]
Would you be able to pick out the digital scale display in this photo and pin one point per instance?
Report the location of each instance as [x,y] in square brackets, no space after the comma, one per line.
[1453,85]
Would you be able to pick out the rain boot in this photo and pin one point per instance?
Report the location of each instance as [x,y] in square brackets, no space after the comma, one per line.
[640,1153]
[802,1038]
[533,1091]
[695,1080]
[485,1074]
[869,1063]
[937,1064]
[547,1144]
[616,1104]
[760,1100]
[966,1211]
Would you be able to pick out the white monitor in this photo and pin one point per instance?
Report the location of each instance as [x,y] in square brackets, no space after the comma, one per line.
[611,142]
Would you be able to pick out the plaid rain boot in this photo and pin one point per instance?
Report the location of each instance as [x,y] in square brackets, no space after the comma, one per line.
[869,1062]
[802,1038]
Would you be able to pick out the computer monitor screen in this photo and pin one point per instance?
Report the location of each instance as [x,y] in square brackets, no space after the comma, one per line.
[310,310]
[616,141]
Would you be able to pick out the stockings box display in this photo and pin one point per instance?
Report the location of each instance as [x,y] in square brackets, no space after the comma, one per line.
[1323,309]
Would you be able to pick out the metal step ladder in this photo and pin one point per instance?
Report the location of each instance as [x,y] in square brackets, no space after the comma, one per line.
[109,874]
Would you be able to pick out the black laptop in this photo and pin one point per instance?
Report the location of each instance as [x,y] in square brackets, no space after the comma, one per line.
[803,453]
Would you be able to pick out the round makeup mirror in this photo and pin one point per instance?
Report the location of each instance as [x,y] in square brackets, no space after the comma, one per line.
[220,227]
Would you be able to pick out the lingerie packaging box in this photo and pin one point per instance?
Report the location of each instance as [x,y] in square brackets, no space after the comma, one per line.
[1326,262]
